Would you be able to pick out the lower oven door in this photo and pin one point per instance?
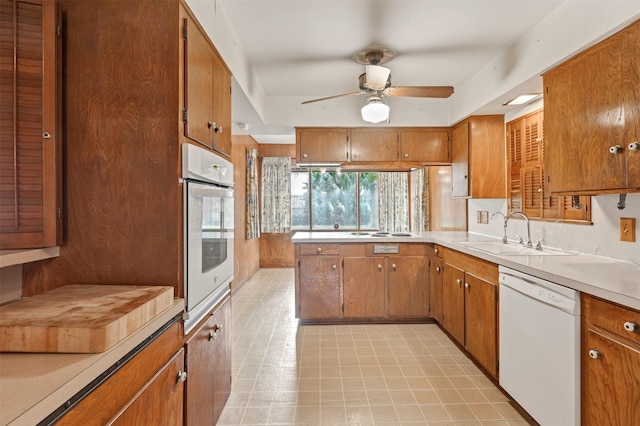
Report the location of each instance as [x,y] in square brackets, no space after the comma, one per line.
[208,243]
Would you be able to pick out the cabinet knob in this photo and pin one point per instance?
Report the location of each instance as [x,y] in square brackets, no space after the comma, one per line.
[436,250]
[467,285]
[379,266]
[539,190]
[304,155]
[437,269]
[334,266]
[217,129]
[406,155]
[212,336]
[634,146]
[181,377]
[595,354]
[319,249]
[616,149]
[211,124]
[458,280]
[631,327]
[47,135]
[394,266]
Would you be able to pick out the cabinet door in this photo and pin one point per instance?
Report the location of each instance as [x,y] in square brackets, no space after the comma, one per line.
[29,142]
[631,100]
[480,322]
[364,287]
[374,145]
[221,358]
[584,118]
[319,295]
[425,145]
[321,145]
[460,160]
[199,65]
[408,287]
[221,107]
[435,288]
[453,302]
[160,401]
[610,383]
[200,352]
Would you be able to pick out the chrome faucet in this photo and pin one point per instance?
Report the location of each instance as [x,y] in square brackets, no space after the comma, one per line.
[506,220]
[504,239]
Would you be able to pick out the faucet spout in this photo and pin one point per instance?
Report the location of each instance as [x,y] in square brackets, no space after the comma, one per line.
[524,216]
[504,238]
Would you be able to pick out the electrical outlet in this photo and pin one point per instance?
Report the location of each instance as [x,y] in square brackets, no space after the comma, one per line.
[483,216]
[628,229]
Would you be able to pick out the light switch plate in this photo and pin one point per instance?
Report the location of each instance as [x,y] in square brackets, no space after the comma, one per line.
[628,229]
[483,216]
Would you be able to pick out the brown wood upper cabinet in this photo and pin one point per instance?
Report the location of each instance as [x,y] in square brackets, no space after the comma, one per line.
[30,126]
[478,163]
[207,93]
[425,144]
[394,146]
[592,118]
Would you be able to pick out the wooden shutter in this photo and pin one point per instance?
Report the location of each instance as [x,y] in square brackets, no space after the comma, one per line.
[514,136]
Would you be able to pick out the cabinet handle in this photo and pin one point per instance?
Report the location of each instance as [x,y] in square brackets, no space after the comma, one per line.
[379,266]
[634,146]
[217,129]
[319,249]
[334,267]
[212,336]
[595,354]
[631,326]
[539,190]
[304,155]
[458,280]
[467,285]
[394,266]
[211,124]
[436,250]
[437,269]
[616,149]
[217,327]
[47,135]
[181,377]
[406,155]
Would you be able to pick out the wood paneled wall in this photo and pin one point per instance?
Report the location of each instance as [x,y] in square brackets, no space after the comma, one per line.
[246,252]
[276,250]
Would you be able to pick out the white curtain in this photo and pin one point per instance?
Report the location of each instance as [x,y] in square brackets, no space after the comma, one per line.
[276,194]
[393,201]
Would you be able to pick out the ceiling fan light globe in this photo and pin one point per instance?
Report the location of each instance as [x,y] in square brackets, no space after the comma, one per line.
[375,112]
[377,76]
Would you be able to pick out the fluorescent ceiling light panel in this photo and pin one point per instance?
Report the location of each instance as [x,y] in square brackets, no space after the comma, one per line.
[522,99]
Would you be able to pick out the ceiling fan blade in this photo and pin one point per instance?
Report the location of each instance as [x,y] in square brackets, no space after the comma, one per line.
[362,92]
[420,91]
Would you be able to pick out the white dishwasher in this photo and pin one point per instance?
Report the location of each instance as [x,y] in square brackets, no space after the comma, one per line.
[540,347]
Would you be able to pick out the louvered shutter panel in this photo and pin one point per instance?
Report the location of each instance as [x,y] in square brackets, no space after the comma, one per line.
[514,133]
[531,191]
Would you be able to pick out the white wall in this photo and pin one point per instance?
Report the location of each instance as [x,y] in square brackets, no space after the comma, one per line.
[602,238]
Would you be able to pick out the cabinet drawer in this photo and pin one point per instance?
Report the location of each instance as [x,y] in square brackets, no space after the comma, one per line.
[614,318]
[307,249]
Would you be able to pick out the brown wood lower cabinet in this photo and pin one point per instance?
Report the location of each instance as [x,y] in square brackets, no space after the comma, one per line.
[146,390]
[610,363]
[470,293]
[360,281]
[208,366]
[436,281]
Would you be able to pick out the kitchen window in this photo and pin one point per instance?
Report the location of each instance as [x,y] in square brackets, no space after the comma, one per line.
[322,199]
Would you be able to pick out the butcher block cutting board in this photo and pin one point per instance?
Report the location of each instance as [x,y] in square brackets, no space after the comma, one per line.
[79,318]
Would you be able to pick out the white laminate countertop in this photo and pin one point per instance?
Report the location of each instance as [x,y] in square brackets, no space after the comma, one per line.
[611,279]
[33,385]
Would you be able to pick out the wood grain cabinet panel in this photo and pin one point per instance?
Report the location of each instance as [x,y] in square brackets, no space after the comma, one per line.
[319,287]
[478,164]
[591,118]
[425,145]
[374,145]
[610,363]
[364,287]
[321,145]
[208,366]
[453,302]
[30,128]
[436,282]
[408,286]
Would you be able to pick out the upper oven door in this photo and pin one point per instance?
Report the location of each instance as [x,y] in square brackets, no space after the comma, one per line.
[209,240]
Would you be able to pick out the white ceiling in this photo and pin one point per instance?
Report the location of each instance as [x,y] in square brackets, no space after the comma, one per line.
[282,52]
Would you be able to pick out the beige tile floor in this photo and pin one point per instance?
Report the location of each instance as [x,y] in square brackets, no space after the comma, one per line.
[397,374]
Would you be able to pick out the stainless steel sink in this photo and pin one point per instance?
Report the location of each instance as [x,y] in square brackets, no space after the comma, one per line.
[497,247]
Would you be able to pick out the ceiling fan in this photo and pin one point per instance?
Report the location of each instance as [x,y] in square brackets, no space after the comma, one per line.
[375,83]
